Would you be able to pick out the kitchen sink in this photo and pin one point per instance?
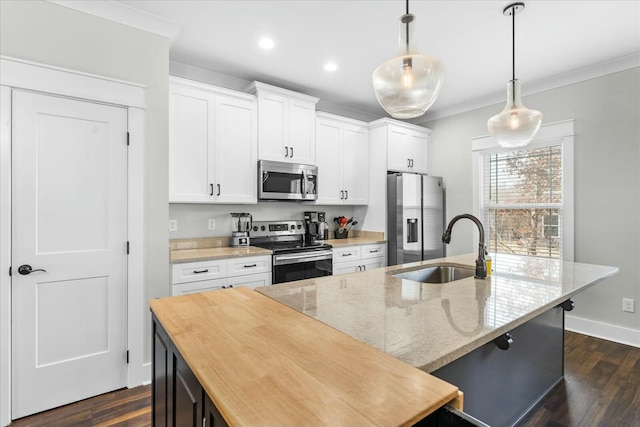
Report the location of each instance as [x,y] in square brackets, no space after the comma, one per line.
[437,274]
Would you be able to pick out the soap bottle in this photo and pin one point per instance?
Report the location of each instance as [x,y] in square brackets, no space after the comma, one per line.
[488,261]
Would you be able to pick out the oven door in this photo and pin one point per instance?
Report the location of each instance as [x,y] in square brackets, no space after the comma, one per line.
[301,265]
[286,181]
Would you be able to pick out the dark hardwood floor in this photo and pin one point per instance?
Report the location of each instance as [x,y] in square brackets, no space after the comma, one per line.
[601,388]
[126,407]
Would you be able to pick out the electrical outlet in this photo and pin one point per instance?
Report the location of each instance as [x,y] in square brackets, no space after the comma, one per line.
[212,224]
[628,305]
[173,225]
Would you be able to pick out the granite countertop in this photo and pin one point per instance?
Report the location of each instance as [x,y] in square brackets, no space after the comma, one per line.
[431,325]
[203,254]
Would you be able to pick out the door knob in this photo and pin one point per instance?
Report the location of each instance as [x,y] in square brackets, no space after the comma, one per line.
[25,269]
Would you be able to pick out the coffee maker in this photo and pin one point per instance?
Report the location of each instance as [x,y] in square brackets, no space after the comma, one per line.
[315,226]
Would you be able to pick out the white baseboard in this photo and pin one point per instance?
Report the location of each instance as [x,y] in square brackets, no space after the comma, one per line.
[603,330]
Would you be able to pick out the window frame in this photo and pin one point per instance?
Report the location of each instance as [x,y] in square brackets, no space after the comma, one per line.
[559,133]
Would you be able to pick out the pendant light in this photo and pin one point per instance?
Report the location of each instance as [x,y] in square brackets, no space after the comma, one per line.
[516,125]
[407,85]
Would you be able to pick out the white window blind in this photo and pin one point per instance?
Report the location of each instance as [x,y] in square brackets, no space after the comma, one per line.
[524,197]
[523,201]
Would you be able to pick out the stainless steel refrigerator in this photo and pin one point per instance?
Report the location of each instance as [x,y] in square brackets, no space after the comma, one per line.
[415,217]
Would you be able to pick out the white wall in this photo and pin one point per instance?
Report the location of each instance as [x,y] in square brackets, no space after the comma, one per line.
[607,182]
[193,219]
[47,33]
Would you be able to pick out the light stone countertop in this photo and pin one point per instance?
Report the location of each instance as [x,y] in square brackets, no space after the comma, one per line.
[431,325]
[203,254]
[354,241]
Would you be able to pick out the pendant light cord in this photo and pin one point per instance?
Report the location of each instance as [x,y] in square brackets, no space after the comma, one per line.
[407,26]
[513,43]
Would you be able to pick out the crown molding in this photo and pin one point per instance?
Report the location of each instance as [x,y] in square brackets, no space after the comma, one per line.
[126,15]
[555,82]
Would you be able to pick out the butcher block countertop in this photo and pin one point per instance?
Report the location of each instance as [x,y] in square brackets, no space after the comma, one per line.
[263,363]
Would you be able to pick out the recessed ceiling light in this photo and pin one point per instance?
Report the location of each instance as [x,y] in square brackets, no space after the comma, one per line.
[330,66]
[266,43]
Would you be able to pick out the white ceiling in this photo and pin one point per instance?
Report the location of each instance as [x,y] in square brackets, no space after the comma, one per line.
[472,38]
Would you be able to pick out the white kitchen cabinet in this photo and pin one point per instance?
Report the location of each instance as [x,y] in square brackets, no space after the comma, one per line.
[200,276]
[407,146]
[212,144]
[342,160]
[351,259]
[286,124]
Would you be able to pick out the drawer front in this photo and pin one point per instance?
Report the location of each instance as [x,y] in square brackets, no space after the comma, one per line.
[248,265]
[346,267]
[198,271]
[346,254]
[250,280]
[372,251]
[200,286]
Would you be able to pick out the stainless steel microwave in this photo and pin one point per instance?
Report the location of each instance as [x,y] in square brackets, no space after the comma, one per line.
[287,181]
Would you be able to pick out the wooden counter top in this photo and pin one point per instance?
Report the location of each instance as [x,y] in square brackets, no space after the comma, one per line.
[263,363]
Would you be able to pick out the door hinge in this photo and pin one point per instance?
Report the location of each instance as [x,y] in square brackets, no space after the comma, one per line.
[127,356]
[127,247]
[128,138]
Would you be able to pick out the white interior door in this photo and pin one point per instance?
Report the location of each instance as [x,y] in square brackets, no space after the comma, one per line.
[69,217]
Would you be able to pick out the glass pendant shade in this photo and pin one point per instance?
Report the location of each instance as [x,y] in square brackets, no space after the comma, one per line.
[407,85]
[516,125]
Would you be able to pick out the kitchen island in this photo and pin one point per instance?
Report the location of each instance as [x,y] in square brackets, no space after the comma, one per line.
[449,329]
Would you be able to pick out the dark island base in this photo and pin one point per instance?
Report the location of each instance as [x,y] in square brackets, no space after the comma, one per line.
[501,386]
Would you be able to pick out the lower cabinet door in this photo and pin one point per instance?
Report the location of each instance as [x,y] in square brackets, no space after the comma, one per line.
[212,417]
[370,264]
[346,267]
[187,395]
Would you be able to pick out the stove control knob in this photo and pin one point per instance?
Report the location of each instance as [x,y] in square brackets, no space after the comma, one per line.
[293,227]
[263,228]
[299,226]
[255,228]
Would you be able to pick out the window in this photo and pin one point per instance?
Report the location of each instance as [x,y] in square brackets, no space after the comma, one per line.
[524,197]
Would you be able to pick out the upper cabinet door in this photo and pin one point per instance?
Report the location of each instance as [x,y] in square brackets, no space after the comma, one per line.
[329,157]
[397,159]
[417,149]
[355,164]
[236,141]
[273,123]
[302,132]
[191,142]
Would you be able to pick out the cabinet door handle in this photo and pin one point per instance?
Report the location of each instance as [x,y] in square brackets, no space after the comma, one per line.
[286,151]
[211,189]
[291,152]
[201,271]
[346,194]
[250,265]
[408,163]
[347,254]
[364,267]
[359,267]
[218,190]
[411,162]
[341,194]
[373,251]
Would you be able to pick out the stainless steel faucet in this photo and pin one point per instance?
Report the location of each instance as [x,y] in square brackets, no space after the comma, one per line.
[481,265]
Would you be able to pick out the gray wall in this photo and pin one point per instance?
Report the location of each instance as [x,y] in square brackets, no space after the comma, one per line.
[607,181]
[47,33]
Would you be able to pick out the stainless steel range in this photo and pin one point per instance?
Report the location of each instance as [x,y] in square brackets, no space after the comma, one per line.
[293,257]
